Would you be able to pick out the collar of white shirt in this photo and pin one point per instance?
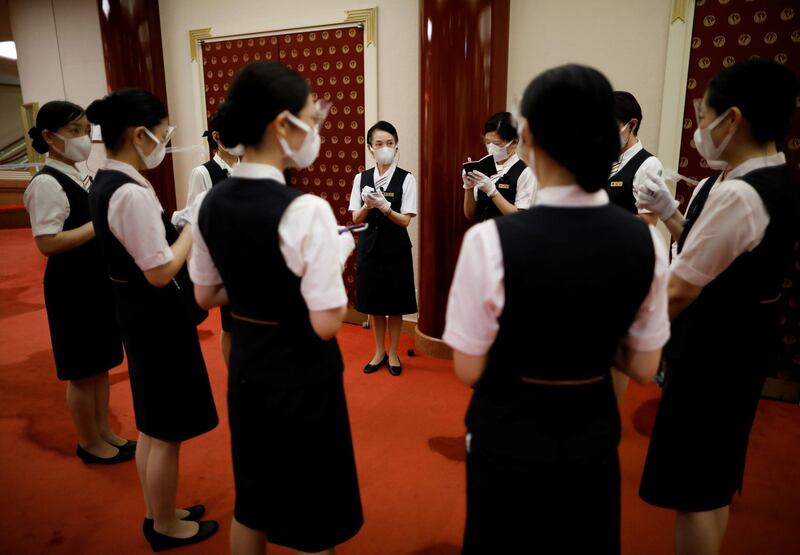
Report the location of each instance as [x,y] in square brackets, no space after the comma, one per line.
[505,166]
[383,180]
[630,153]
[67,169]
[222,163]
[127,169]
[247,170]
[569,196]
[756,163]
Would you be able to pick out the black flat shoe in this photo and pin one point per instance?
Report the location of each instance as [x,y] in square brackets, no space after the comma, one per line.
[88,458]
[161,542]
[196,512]
[370,368]
[395,370]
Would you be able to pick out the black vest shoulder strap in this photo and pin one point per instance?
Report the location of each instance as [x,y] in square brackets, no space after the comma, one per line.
[695,208]
[513,173]
[216,173]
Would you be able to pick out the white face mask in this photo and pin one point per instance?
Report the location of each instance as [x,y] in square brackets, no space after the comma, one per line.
[156,156]
[76,149]
[309,150]
[622,140]
[500,153]
[385,155]
[706,147]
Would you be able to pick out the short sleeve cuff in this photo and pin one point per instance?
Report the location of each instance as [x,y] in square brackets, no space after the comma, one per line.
[327,301]
[650,342]
[50,229]
[689,274]
[203,278]
[464,344]
[160,258]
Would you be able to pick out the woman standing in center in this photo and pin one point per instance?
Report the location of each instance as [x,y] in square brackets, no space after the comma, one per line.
[543,426]
[274,256]
[385,197]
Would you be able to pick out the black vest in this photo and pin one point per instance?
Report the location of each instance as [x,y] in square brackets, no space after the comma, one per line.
[574,280]
[84,259]
[620,185]
[239,222]
[732,322]
[119,263]
[485,208]
[216,173]
[383,235]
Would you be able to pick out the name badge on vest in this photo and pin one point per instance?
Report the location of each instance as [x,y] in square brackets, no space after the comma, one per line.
[616,184]
[388,195]
[503,186]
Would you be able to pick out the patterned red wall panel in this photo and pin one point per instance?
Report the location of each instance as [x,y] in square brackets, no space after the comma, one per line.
[332,62]
[724,32]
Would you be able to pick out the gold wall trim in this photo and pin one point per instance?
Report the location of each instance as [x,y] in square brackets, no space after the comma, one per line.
[369,18]
[679,8]
[27,113]
[196,37]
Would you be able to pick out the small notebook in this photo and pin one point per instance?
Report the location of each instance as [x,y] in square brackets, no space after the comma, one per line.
[485,165]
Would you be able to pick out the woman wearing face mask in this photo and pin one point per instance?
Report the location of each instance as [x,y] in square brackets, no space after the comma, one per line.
[145,260]
[273,255]
[80,307]
[385,197]
[205,176]
[512,188]
[201,179]
[733,249]
[634,163]
[542,425]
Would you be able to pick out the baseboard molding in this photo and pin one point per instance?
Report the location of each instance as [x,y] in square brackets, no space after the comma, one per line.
[781,390]
[431,346]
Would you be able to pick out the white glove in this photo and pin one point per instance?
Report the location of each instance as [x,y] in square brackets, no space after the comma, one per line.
[182,217]
[377,200]
[365,193]
[346,246]
[467,182]
[483,183]
[654,195]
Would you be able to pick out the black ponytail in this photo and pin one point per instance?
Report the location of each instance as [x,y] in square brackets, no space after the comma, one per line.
[123,109]
[51,117]
[259,92]
[571,115]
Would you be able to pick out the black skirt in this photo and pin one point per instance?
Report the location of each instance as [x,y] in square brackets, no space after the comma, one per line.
[293,463]
[81,315]
[172,398]
[542,469]
[697,453]
[518,506]
[385,283]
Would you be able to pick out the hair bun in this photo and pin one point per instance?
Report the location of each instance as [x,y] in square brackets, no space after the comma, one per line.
[226,122]
[37,140]
[98,111]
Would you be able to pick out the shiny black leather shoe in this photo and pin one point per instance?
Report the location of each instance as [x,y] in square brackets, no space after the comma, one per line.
[196,512]
[88,458]
[161,542]
[370,368]
[395,370]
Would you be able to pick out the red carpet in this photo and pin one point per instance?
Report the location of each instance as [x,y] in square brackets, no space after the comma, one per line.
[408,439]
